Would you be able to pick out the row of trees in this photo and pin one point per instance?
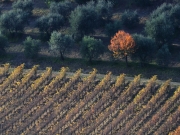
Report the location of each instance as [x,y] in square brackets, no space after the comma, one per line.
[123,45]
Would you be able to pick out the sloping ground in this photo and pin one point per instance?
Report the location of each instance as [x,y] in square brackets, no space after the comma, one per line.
[45,102]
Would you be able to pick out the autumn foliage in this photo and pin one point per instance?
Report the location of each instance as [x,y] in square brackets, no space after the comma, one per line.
[122,44]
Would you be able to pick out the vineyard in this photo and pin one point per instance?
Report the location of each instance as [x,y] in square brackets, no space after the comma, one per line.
[39,103]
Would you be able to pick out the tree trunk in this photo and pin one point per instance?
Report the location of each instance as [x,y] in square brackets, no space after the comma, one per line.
[126,60]
[90,60]
[62,57]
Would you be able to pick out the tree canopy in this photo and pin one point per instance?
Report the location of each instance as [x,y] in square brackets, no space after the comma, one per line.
[122,44]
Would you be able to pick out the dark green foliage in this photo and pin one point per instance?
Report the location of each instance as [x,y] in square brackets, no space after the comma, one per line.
[161,26]
[24,5]
[85,18]
[115,2]
[145,48]
[60,43]
[13,21]
[163,56]
[64,8]
[130,19]
[0,9]
[164,23]
[31,48]
[143,3]
[82,1]
[50,1]
[164,8]
[112,27]
[49,23]
[175,17]
[91,48]
[82,21]
[103,10]
[3,44]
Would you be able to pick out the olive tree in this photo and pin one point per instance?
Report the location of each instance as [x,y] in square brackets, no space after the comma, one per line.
[164,23]
[3,44]
[31,47]
[49,23]
[59,43]
[145,48]
[163,56]
[13,21]
[161,29]
[91,48]
[113,27]
[25,5]
[64,8]
[130,19]
[82,21]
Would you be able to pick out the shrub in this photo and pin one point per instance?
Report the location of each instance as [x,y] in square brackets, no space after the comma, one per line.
[91,48]
[31,48]
[112,27]
[13,21]
[24,5]
[64,8]
[82,21]
[48,23]
[3,44]
[60,43]
[145,48]
[163,56]
[130,19]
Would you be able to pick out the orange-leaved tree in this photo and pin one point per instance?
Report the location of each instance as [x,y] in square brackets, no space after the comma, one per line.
[122,44]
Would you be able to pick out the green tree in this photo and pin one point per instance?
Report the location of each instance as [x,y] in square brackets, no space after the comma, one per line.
[31,47]
[103,10]
[59,43]
[48,23]
[24,5]
[145,48]
[163,56]
[175,17]
[130,19]
[64,8]
[112,28]
[164,23]
[3,44]
[13,21]
[160,29]
[91,48]
[82,21]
